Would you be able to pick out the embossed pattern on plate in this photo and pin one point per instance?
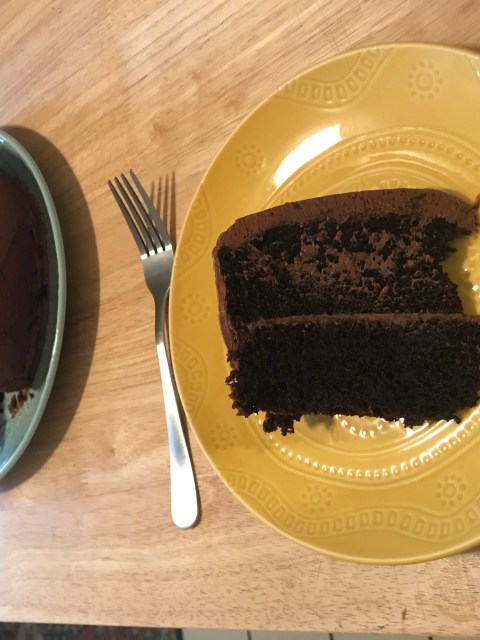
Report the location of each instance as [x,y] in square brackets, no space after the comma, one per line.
[356,488]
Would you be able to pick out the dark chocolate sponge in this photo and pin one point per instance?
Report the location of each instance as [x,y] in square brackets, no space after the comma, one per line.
[417,367]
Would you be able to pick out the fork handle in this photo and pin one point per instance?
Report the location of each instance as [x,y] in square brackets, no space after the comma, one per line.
[183,490]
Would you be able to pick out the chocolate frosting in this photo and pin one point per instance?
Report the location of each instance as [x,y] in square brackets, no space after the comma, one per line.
[398,319]
[425,204]
[383,319]
[23,285]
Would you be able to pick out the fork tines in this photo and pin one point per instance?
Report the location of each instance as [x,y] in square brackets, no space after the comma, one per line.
[143,220]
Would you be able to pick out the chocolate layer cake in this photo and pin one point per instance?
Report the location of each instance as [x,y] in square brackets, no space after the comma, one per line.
[310,292]
[366,252]
[23,285]
[417,367]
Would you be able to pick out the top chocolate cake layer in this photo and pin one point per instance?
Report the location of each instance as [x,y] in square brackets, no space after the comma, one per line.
[365,252]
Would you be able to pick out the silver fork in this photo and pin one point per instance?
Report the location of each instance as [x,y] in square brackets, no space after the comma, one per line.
[156,251]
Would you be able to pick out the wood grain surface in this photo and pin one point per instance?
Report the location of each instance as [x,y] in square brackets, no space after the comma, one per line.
[91,89]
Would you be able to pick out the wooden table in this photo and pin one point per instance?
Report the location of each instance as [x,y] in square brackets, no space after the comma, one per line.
[92,88]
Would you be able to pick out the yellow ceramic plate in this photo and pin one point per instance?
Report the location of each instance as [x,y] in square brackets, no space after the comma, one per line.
[360,489]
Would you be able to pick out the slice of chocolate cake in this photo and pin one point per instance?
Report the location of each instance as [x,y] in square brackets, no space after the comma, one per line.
[417,367]
[340,304]
[23,285]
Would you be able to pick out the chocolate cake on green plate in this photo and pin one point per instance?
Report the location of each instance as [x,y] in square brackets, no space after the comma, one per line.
[23,285]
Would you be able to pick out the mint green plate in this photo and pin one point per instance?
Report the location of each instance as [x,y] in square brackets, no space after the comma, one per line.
[16,433]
